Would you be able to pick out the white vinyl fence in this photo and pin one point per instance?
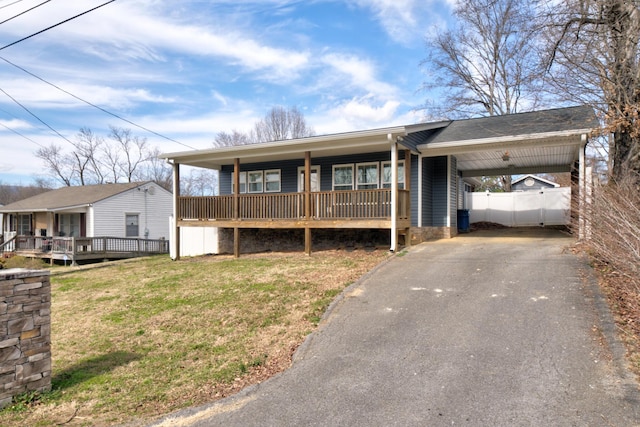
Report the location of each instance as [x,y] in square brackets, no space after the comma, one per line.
[550,206]
[194,241]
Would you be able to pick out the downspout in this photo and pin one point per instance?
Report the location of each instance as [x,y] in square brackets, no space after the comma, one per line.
[394,193]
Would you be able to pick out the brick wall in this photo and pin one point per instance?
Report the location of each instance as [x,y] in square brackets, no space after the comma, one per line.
[25,332]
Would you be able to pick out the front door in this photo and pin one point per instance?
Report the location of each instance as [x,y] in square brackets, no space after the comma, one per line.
[315,178]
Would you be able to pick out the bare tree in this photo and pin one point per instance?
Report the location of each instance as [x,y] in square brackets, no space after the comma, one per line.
[133,149]
[86,159]
[281,123]
[225,139]
[201,182]
[594,57]
[86,152]
[96,160]
[486,64]
[156,170]
[59,165]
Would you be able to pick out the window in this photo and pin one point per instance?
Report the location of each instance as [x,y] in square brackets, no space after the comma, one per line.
[132,225]
[386,174]
[367,176]
[69,225]
[255,181]
[24,225]
[343,177]
[243,182]
[272,181]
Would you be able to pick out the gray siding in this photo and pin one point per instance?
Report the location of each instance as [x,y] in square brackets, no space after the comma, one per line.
[289,169]
[439,196]
[414,190]
[427,192]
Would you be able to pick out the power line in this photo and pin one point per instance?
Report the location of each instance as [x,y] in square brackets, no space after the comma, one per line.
[19,134]
[36,117]
[28,10]
[10,4]
[93,105]
[69,93]
[55,25]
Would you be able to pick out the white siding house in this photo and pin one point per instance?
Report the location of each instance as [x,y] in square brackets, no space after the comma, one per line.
[140,210]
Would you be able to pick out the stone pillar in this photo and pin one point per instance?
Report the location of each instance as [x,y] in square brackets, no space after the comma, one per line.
[25,332]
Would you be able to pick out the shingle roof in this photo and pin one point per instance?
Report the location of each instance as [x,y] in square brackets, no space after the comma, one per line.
[68,197]
[556,120]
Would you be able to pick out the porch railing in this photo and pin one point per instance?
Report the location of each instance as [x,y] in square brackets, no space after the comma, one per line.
[90,245]
[324,205]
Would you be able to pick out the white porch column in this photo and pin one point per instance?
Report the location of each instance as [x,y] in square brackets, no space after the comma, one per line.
[394,193]
[582,190]
[176,195]
[420,190]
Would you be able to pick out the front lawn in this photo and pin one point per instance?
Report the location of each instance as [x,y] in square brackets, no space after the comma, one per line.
[135,340]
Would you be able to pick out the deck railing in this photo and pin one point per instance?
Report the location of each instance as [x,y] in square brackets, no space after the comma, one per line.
[359,204]
[90,245]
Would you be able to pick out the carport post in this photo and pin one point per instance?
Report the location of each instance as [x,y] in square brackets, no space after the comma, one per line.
[176,200]
[582,190]
[394,193]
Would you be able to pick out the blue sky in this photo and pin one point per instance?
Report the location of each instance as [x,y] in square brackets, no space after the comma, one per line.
[190,69]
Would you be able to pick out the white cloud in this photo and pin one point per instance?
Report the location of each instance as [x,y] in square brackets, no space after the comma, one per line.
[407,20]
[360,73]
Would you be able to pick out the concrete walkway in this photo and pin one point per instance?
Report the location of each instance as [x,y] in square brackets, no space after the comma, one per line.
[488,329]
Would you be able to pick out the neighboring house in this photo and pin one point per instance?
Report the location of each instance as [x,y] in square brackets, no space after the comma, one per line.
[139,210]
[531,182]
[407,180]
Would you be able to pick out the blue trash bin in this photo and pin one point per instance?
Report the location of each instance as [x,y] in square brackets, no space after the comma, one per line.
[463,220]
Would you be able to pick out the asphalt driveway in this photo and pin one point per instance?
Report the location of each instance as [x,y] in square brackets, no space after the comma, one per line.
[488,329]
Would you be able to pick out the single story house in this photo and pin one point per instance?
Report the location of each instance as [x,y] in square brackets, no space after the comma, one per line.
[532,182]
[407,180]
[137,210]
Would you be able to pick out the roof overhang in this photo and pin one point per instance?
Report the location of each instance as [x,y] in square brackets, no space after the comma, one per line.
[360,142]
[40,210]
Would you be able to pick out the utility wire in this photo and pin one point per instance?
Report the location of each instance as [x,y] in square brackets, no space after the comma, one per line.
[93,105]
[15,131]
[36,117]
[19,134]
[10,4]
[22,13]
[71,94]
[55,25]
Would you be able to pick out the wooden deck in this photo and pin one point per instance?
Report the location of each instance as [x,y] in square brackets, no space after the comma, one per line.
[323,209]
[73,249]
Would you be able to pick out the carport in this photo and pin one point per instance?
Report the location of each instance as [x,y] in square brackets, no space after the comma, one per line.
[550,141]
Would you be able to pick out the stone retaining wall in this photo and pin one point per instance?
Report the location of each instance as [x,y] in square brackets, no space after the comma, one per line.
[25,332]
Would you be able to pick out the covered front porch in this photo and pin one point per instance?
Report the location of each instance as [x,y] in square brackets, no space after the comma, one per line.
[305,198]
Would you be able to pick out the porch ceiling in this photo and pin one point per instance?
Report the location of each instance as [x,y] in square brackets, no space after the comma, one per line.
[513,156]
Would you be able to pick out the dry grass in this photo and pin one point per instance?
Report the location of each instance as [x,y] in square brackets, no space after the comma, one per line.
[614,244]
[136,340]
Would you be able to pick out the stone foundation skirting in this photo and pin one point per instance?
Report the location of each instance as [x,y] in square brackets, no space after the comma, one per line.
[257,240]
[425,234]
